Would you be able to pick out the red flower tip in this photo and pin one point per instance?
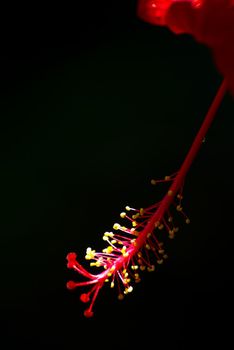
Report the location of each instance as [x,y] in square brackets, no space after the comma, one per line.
[71,256]
[71,285]
[88,313]
[84,298]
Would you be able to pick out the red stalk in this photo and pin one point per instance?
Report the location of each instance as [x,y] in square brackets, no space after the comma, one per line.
[179,179]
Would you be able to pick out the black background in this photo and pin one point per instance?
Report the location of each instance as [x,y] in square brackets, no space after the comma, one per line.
[94,103]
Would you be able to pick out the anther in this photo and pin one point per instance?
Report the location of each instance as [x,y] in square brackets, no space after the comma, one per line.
[116,226]
[160,261]
[120,296]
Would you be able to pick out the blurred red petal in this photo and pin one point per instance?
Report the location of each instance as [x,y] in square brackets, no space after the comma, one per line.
[210,22]
[216,30]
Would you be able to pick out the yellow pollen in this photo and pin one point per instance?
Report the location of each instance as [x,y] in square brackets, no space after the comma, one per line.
[109,234]
[108,250]
[124,252]
[171,234]
[135,216]
[179,208]
[157,223]
[93,263]
[128,290]
[151,268]
[120,296]
[160,261]
[90,254]
[116,226]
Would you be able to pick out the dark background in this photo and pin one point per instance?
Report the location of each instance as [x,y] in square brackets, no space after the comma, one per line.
[94,103]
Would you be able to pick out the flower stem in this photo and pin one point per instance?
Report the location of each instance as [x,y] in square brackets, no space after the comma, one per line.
[179,179]
[199,137]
